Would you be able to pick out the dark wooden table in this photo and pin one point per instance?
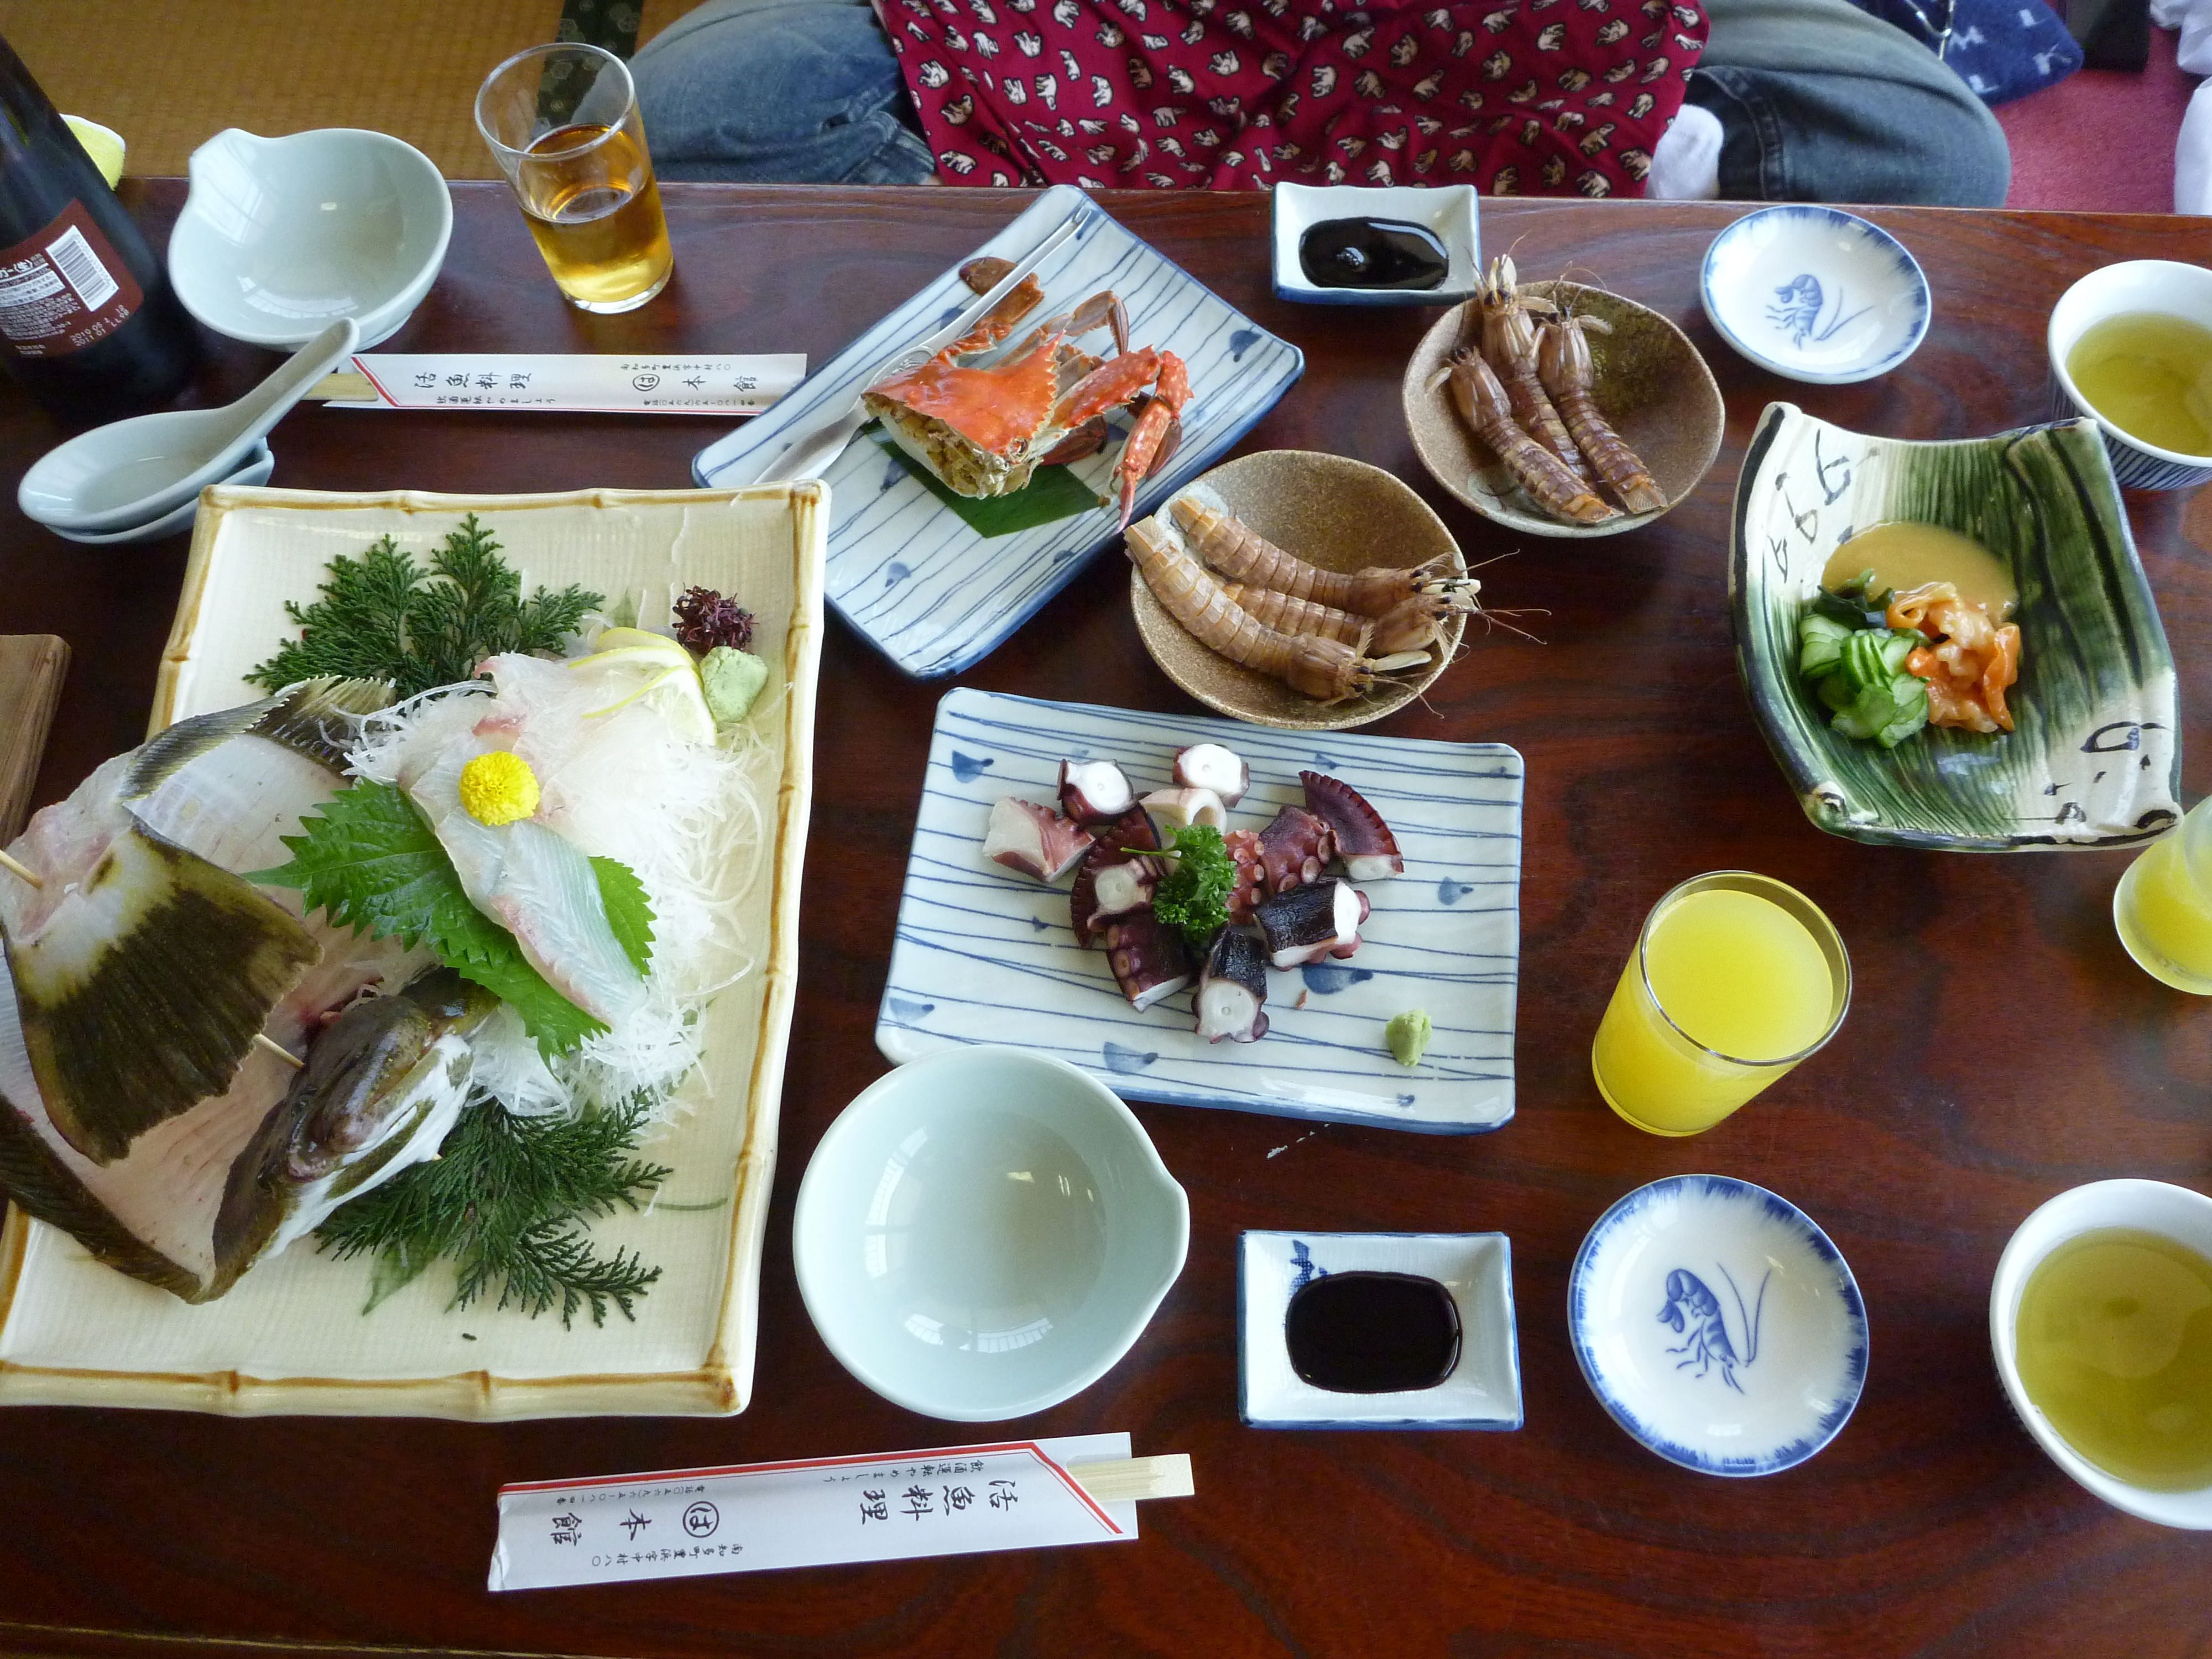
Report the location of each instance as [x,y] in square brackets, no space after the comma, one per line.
[2001,1047]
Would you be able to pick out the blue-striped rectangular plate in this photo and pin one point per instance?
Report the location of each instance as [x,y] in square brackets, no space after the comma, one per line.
[987,955]
[914,581]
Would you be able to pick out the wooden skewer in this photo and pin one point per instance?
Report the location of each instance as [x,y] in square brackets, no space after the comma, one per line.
[15,869]
[269,1043]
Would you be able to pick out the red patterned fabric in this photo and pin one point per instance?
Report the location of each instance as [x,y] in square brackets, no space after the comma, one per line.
[1533,97]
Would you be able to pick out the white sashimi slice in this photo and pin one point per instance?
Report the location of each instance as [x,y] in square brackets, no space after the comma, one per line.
[537,885]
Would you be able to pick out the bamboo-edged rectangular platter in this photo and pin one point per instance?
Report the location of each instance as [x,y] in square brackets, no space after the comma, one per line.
[985,954]
[292,1336]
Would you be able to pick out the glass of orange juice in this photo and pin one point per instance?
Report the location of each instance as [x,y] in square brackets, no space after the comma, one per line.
[562,123]
[1734,979]
[2163,905]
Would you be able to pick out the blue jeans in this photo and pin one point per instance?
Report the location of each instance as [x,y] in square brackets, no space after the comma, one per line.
[778,92]
[1820,102]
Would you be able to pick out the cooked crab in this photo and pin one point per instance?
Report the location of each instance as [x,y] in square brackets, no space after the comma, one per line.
[985,428]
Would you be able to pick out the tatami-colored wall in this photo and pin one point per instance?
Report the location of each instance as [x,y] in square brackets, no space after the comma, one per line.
[169,74]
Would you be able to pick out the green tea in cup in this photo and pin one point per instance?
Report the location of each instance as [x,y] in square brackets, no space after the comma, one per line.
[2150,374]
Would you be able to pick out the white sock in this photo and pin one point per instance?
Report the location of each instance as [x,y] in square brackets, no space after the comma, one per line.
[1685,163]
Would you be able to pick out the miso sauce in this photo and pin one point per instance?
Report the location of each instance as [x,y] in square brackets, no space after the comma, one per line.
[1906,555]
[1372,253]
[1370,1333]
[2151,376]
[2115,1344]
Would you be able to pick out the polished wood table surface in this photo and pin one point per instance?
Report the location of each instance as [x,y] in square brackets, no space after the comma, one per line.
[2000,1048]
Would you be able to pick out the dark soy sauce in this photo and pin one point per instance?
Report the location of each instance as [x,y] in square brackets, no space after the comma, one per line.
[1367,1333]
[1372,253]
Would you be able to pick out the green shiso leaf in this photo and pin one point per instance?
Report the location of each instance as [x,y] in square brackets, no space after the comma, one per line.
[628,912]
[1051,493]
[369,857]
[505,1199]
[382,616]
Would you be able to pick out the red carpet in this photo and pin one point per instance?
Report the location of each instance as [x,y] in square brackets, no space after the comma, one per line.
[2101,140]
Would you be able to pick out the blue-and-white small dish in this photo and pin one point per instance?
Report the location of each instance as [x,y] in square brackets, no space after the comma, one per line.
[1815,294]
[1450,213]
[1483,1390]
[1718,1325]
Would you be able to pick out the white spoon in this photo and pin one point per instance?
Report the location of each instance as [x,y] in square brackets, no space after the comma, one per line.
[129,473]
[259,463]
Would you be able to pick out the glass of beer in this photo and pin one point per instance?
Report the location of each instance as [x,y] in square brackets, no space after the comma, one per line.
[562,123]
[1734,980]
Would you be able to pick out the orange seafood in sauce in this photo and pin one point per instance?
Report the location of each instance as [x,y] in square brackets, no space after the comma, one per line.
[1958,594]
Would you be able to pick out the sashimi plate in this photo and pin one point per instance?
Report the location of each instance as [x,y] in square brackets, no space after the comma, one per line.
[987,955]
[292,1336]
[928,591]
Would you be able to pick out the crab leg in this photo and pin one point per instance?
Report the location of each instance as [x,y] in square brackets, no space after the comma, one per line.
[1158,431]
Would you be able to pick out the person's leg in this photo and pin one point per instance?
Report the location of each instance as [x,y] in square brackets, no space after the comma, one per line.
[778,92]
[1817,101]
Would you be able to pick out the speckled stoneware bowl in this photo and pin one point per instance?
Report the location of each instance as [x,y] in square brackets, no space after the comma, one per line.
[2094,755]
[1651,385]
[1338,513]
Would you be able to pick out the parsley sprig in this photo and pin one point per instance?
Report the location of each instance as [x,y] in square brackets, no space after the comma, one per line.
[1193,897]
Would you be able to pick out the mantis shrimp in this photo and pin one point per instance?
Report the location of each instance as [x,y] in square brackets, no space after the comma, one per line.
[1329,670]
[1240,553]
[1482,403]
[1562,358]
[1510,347]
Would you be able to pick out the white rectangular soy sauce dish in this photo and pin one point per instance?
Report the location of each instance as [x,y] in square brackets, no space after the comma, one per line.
[984,954]
[1451,213]
[1483,1390]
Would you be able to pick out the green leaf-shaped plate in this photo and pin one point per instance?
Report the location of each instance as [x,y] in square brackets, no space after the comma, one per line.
[2095,757]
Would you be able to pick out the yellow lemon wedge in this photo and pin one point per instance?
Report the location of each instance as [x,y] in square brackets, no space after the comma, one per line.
[667,678]
[103,144]
[497,787]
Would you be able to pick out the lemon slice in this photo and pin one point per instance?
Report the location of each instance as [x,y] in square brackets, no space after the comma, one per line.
[103,144]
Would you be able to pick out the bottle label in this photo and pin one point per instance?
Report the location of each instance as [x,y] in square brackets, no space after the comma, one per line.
[63,288]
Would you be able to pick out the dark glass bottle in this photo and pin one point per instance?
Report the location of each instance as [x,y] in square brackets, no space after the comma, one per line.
[89,324]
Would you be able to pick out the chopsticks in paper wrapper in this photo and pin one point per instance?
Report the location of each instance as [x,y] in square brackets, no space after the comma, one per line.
[891,1506]
[616,384]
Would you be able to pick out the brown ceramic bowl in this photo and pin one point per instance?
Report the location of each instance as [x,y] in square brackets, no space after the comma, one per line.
[1340,515]
[1651,385]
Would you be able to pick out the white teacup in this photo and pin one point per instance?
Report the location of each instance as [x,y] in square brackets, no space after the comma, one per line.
[2154,1206]
[2160,285]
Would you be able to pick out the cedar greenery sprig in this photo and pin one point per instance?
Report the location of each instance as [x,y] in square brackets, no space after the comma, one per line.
[382,616]
[506,1198]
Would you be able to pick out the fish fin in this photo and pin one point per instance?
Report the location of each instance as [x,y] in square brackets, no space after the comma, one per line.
[317,717]
[44,1187]
[141,993]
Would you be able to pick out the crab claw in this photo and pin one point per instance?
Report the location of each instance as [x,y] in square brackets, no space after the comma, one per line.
[1149,444]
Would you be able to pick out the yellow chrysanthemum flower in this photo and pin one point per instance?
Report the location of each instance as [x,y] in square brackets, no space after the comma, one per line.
[498,787]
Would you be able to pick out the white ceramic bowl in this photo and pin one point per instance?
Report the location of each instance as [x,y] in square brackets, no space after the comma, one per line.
[2166,285]
[1815,294]
[1717,1325]
[280,237]
[2153,1206]
[984,1232]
